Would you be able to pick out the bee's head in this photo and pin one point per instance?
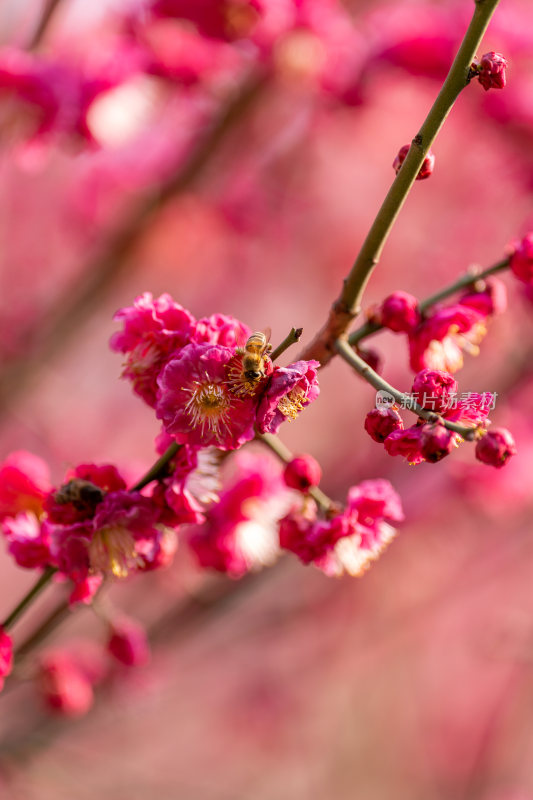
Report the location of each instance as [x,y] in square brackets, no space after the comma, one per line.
[252,374]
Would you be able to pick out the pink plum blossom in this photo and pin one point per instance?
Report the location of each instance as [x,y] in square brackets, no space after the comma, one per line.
[154,331]
[195,402]
[289,391]
[240,532]
[438,341]
[24,482]
[28,540]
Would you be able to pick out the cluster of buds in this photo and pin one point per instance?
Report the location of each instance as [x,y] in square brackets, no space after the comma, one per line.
[436,391]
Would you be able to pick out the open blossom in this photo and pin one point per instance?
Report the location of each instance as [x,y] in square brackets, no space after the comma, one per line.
[240,531]
[57,95]
[218,19]
[123,535]
[6,655]
[221,329]
[521,259]
[438,341]
[154,330]
[426,169]
[84,488]
[195,402]
[289,391]
[28,540]
[349,541]
[24,482]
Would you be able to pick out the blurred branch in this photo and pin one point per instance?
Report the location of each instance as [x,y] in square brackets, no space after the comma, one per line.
[102,270]
[467,280]
[46,17]
[159,469]
[347,305]
[29,597]
[379,383]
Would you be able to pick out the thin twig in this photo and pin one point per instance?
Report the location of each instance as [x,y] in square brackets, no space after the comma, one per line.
[465,281]
[29,597]
[347,305]
[379,383]
[159,469]
[44,22]
[294,336]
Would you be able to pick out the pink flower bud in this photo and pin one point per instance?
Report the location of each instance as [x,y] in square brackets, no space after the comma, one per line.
[521,261]
[128,643]
[399,312]
[436,442]
[427,166]
[302,472]
[433,389]
[380,422]
[491,68]
[64,685]
[6,655]
[496,447]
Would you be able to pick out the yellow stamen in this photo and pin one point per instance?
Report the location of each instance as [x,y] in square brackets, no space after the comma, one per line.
[112,550]
[292,403]
[209,407]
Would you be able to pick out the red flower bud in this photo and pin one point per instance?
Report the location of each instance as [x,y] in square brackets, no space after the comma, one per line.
[64,685]
[380,422]
[433,389]
[427,166]
[521,261]
[491,70]
[399,312]
[436,442]
[496,447]
[302,472]
[128,643]
[6,655]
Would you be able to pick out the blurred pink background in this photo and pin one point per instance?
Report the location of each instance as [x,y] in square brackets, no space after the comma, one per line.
[414,681]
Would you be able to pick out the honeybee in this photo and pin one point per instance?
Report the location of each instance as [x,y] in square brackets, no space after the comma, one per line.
[83,495]
[249,367]
[253,359]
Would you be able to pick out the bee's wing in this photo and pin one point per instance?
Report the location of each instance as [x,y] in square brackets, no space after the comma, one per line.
[267,333]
